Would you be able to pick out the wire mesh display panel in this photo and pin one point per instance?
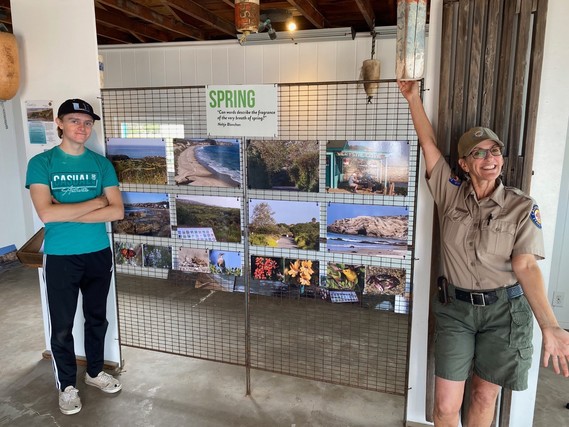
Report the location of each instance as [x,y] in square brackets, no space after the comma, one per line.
[291,254]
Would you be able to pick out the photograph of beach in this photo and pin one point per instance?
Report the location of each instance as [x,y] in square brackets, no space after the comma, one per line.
[145,214]
[138,160]
[367,167]
[284,224]
[367,229]
[207,162]
[220,214]
[283,165]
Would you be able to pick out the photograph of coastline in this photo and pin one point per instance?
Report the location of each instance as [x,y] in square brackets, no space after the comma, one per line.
[220,214]
[207,162]
[145,214]
[128,253]
[367,167]
[284,224]
[192,260]
[225,262]
[283,165]
[157,256]
[138,160]
[384,281]
[367,229]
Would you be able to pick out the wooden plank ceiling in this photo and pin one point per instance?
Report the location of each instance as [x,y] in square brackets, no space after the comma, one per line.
[158,21]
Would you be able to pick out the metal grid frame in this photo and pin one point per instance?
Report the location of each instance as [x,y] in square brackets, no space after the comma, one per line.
[310,338]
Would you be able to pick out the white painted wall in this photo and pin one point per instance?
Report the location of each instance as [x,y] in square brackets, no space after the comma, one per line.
[12,218]
[59,60]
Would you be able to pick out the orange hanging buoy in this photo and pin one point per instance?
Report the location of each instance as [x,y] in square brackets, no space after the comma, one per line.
[247,17]
[9,66]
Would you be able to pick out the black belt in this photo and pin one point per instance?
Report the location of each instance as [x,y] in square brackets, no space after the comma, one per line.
[488,297]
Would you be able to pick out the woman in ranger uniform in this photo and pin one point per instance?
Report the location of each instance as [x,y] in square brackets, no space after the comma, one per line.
[491,240]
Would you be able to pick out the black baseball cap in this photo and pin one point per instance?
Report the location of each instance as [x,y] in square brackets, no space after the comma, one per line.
[76,106]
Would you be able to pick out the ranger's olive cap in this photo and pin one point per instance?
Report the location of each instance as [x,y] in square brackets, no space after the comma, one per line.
[472,137]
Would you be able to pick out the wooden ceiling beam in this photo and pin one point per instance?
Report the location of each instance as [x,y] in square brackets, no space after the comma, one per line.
[142,12]
[310,12]
[113,34]
[367,11]
[229,3]
[120,22]
[196,11]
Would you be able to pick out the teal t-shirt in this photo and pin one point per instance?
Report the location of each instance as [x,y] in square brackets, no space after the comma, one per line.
[72,179]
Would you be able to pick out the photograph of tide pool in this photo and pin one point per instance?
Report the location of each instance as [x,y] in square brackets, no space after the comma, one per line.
[367,229]
[145,214]
[207,162]
[138,160]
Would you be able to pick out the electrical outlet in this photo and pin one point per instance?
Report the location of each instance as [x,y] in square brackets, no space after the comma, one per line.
[558,299]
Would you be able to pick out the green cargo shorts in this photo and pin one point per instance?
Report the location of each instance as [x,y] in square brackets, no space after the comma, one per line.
[493,341]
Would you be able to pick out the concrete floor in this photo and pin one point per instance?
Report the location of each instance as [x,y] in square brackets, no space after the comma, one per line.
[165,390]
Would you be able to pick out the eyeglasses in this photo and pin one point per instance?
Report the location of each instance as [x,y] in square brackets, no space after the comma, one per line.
[481,153]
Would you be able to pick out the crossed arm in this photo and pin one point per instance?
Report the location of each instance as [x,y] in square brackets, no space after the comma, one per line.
[107,207]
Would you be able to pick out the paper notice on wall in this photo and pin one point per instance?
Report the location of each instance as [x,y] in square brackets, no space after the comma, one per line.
[41,125]
[242,110]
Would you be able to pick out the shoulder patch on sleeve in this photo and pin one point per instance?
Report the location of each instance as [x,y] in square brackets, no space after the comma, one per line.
[535,216]
[455,180]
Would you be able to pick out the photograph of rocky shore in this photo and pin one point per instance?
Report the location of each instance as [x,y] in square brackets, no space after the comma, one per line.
[145,214]
[138,160]
[367,229]
[207,162]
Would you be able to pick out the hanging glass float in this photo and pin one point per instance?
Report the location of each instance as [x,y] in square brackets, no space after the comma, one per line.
[247,17]
[9,66]
[411,22]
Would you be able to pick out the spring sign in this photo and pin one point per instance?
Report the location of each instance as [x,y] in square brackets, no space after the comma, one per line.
[242,110]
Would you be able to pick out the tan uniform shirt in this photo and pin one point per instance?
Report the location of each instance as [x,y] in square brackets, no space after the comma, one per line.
[479,237]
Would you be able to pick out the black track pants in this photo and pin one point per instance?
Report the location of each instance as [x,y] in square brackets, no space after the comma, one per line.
[65,275]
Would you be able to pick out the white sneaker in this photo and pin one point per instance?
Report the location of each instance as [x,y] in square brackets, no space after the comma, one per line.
[69,401]
[104,381]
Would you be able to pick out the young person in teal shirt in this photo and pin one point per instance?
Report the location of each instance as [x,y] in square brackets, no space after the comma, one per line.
[75,192]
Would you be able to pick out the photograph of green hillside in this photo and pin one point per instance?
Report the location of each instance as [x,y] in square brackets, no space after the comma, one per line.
[284,224]
[138,160]
[283,165]
[221,214]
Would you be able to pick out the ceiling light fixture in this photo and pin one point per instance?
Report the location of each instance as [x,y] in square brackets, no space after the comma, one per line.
[291,25]
[301,36]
